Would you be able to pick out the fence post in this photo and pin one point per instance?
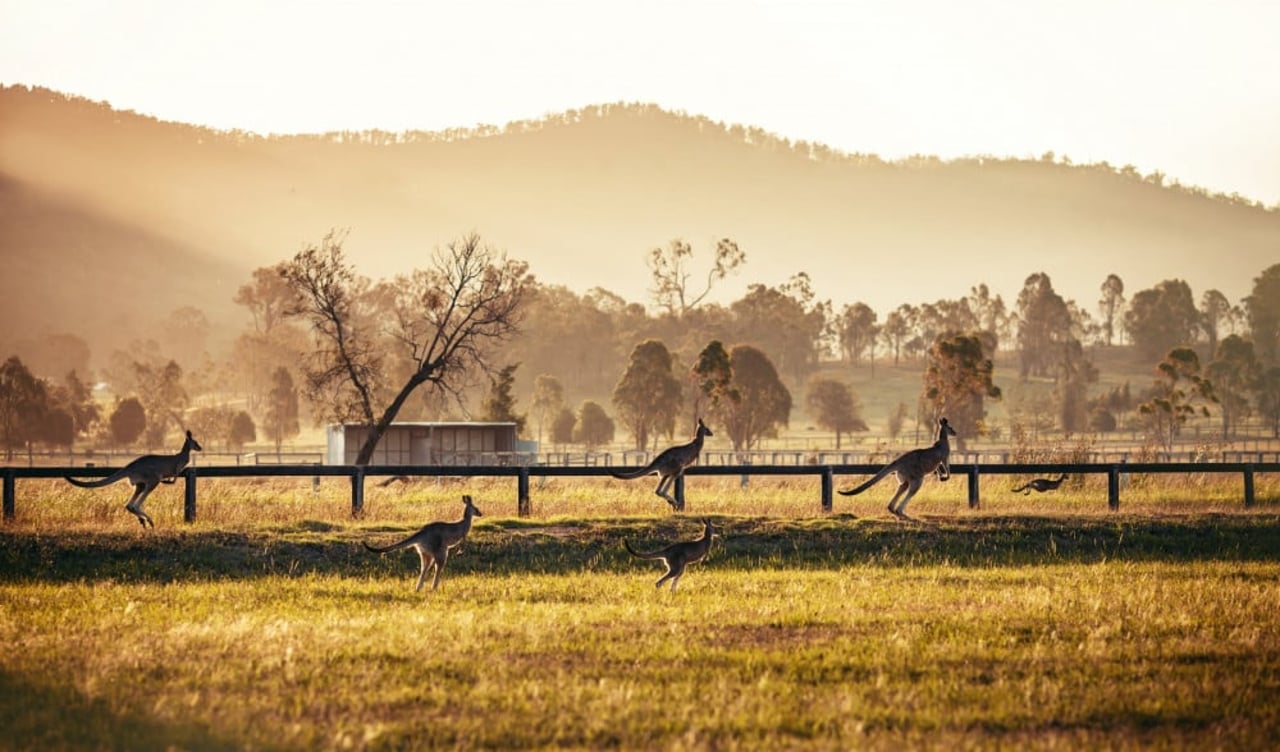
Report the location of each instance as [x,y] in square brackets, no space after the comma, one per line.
[522,492]
[973,487]
[1113,487]
[10,494]
[679,492]
[189,496]
[1248,485]
[357,491]
[828,482]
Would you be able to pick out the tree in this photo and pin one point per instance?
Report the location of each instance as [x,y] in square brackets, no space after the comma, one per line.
[958,381]
[185,333]
[127,421]
[857,332]
[761,403]
[1215,310]
[500,404]
[1266,394]
[784,321]
[22,405]
[1075,373]
[594,427]
[441,322]
[241,431]
[1045,325]
[1234,372]
[562,427]
[989,313]
[79,402]
[1263,308]
[548,400]
[1162,318]
[713,377]
[647,396]
[163,398]
[835,407]
[1110,305]
[897,328]
[281,420]
[1179,390]
[671,274]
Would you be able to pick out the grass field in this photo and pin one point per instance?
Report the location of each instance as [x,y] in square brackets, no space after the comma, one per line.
[1031,623]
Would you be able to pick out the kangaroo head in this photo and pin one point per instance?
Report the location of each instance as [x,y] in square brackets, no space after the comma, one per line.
[191,443]
[703,430]
[466,500]
[944,428]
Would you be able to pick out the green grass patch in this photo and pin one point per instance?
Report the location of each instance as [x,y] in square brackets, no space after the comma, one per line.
[827,632]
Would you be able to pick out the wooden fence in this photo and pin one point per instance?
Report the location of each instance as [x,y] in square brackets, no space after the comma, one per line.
[826,474]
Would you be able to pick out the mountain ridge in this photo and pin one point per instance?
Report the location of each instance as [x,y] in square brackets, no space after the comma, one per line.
[584,195]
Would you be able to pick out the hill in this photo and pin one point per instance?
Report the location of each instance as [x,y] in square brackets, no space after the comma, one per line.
[95,200]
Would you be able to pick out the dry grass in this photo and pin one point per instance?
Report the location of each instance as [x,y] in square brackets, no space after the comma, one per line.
[244,502]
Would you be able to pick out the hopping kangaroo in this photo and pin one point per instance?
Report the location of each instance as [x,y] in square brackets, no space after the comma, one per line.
[677,556]
[912,467]
[146,473]
[433,542]
[1041,485]
[670,464]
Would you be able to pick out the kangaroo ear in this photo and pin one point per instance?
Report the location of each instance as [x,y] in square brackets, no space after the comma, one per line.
[188,434]
[466,498]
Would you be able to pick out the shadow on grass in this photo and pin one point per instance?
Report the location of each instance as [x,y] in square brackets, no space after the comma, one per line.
[513,545]
[52,717]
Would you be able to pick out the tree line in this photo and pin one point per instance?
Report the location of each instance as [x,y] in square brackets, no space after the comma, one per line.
[471,329]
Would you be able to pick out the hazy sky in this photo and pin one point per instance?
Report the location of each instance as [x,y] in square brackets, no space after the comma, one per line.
[1187,87]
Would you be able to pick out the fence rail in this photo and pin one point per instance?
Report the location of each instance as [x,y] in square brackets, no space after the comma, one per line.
[825,473]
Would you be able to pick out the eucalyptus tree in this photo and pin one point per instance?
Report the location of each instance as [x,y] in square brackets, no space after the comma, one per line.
[958,379]
[1263,309]
[1110,306]
[648,394]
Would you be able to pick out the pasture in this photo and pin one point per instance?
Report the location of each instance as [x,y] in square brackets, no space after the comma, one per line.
[1035,622]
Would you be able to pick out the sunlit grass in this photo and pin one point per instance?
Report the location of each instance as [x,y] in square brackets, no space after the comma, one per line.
[1110,654]
[245,502]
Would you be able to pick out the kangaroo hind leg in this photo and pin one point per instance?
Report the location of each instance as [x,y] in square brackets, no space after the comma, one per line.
[674,570]
[140,492]
[913,486]
[663,490]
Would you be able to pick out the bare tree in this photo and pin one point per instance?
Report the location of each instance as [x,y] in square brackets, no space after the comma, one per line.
[670,270]
[440,322]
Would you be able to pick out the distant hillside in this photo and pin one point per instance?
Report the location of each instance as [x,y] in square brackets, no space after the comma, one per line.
[582,196]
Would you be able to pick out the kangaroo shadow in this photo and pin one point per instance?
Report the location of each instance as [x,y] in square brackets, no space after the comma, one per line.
[46,716]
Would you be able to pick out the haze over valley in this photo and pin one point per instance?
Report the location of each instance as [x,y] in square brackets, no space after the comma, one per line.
[113,220]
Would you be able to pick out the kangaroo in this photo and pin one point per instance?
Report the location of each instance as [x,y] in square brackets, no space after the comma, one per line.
[1041,485]
[677,556]
[911,469]
[433,542]
[670,464]
[146,473]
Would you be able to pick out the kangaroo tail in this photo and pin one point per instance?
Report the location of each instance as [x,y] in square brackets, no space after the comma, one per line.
[630,474]
[99,483]
[386,549]
[634,552]
[874,480]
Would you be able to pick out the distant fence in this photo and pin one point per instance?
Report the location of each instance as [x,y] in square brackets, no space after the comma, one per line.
[826,474]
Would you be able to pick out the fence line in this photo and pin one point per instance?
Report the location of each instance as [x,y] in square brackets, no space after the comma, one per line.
[826,473]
